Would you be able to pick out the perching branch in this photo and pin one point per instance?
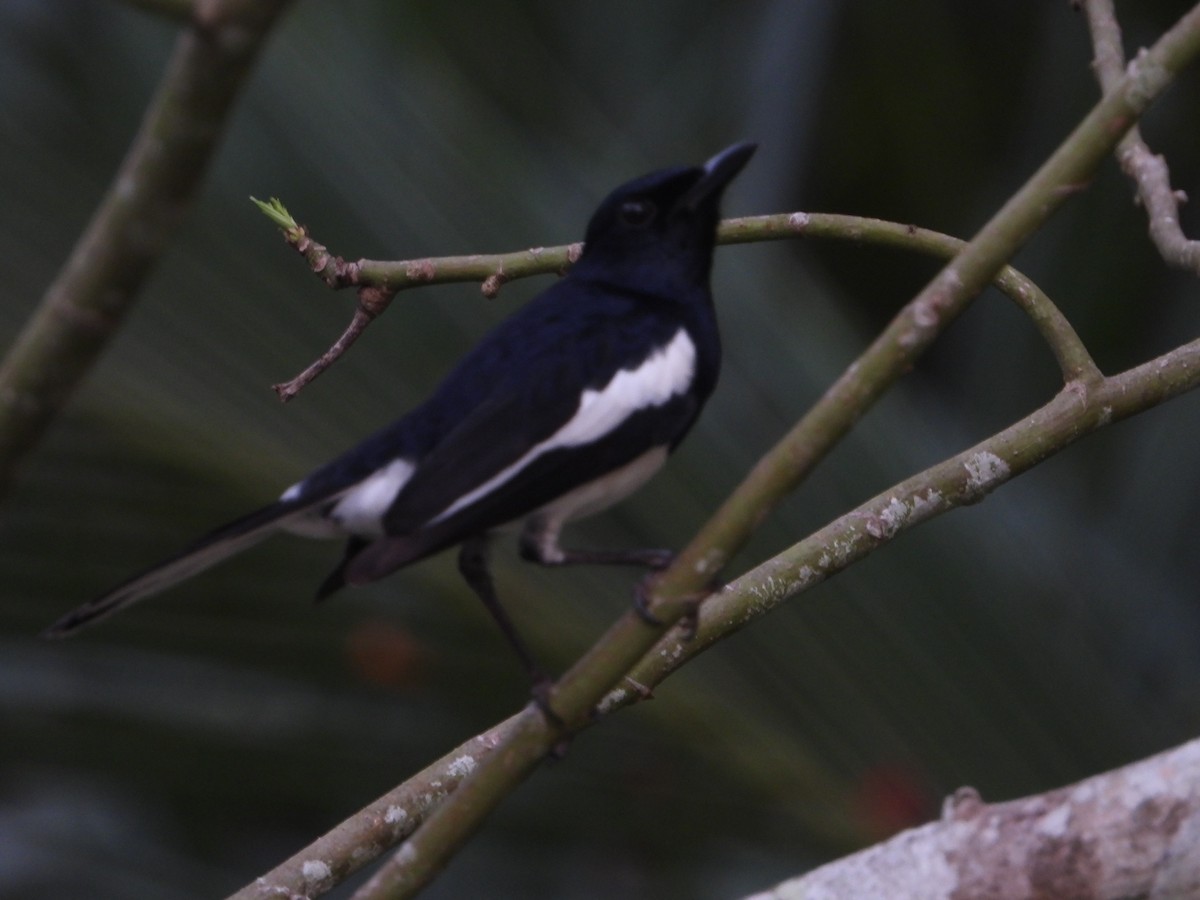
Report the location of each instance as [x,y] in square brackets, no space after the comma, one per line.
[631,648]
[523,739]
[966,478]
[1127,833]
[963,479]
[378,282]
[134,223]
[375,829]
[1147,169]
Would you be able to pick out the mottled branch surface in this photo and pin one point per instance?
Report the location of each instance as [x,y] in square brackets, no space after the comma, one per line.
[135,221]
[1133,832]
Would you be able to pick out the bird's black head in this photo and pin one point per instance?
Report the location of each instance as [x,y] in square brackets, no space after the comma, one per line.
[656,233]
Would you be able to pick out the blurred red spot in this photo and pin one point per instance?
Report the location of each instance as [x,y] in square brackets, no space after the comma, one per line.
[384,654]
[892,797]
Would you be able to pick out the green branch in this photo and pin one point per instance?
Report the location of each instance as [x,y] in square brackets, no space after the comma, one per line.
[633,650]
[378,282]
[618,652]
[134,223]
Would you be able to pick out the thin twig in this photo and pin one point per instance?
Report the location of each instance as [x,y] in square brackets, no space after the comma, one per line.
[1147,169]
[371,302]
[1069,351]
[493,270]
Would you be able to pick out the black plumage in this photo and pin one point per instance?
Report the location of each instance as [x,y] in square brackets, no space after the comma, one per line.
[564,408]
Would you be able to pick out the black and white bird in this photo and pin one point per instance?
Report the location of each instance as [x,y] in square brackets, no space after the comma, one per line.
[565,408]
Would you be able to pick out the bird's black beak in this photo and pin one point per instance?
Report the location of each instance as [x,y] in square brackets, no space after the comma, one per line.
[717,173]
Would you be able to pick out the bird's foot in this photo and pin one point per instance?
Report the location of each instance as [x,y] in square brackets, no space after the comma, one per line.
[689,621]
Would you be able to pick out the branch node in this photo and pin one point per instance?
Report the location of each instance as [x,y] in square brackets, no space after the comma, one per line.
[421,270]
[373,300]
[963,805]
[491,285]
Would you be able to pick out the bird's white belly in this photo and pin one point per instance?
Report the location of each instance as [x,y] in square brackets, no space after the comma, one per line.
[599,495]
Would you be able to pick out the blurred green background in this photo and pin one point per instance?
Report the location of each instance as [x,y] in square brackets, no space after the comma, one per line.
[196,741]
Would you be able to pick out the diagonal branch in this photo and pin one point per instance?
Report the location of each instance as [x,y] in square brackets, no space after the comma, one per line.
[1147,169]
[918,324]
[961,480]
[966,478]
[424,854]
[134,223]
[1087,402]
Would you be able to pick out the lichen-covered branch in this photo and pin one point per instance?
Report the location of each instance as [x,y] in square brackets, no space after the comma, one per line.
[896,349]
[1147,169]
[963,479]
[1127,833]
[601,669]
[373,830]
[966,478]
[1085,403]
[135,221]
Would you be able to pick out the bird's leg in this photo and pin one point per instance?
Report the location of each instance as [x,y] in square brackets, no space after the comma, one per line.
[473,564]
[539,544]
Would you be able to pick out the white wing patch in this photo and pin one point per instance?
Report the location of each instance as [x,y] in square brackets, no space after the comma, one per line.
[359,509]
[665,373]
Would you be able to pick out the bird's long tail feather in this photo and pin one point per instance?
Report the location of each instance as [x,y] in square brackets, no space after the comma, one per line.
[204,553]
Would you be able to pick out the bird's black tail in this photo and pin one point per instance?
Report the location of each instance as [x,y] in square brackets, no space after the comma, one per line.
[204,553]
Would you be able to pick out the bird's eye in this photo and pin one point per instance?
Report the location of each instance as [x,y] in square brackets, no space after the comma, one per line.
[637,213]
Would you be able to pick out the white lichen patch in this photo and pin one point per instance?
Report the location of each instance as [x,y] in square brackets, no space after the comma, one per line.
[984,470]
[611,700]
[315,870]
[1055,822]
[406,855]
[461,766]
[672,653]
[395,815]
[927,502]
[888,520]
